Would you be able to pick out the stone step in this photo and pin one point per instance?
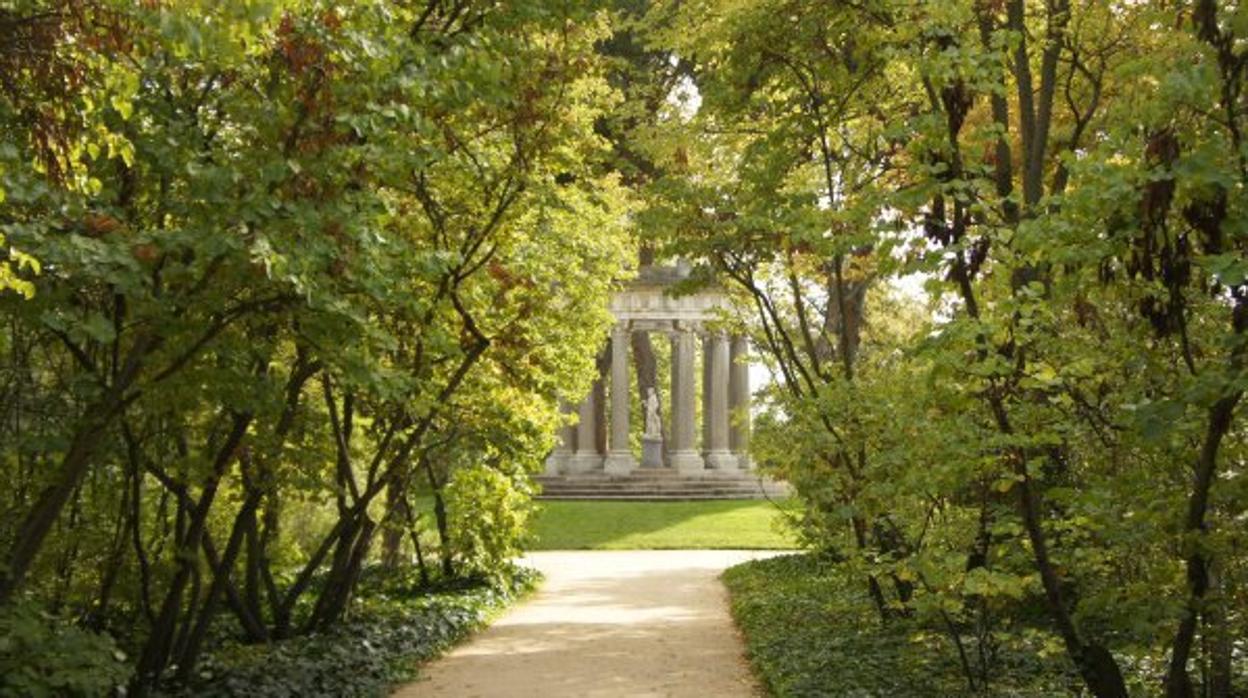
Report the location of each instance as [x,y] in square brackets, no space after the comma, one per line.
[656,485]
[739,484]
[727,494]
[646,477]
[645,497]
[739,477]
[654,476]
[725,480]
[570,491]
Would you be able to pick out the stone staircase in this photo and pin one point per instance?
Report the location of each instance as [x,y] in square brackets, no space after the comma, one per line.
[660,484]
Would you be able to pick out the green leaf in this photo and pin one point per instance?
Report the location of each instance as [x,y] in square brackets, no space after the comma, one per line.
[99,328]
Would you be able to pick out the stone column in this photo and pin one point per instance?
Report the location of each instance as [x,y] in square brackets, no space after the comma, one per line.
[620,460]
[706,393]
[718,456]
[586,457]
[739,401]
[565,440]
[684,454]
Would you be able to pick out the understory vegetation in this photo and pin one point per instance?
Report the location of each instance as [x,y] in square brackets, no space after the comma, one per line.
[811,631]
[396,624]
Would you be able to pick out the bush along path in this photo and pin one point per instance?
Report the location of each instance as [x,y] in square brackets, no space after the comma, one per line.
[809,631]
[394,629]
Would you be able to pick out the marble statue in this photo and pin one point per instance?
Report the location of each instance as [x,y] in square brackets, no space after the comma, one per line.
[654,429]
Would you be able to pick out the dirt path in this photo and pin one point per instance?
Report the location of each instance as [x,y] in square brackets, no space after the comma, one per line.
[629,623]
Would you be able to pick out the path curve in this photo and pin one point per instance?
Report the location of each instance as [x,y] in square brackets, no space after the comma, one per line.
[607,623]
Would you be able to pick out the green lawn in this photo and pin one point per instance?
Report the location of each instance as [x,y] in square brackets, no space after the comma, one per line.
[596,525]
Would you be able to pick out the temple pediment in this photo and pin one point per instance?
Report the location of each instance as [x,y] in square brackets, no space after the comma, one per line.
[647,302]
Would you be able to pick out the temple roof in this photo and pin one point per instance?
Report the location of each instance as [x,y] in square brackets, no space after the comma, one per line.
[647,302]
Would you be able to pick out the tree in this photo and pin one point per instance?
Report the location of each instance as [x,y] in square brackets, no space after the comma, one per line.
[293,258]
[1058,170]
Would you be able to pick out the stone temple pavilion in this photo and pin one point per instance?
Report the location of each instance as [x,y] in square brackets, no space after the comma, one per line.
[717,464]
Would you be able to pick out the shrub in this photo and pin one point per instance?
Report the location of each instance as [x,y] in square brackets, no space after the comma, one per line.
[489,514]
[42,655]
[810,630]
[390,632]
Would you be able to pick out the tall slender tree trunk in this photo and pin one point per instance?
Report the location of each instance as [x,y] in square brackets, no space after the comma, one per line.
[93,427]
[394,524]
[1221,641]
[115,559]
[1178,681]
[441,520]
[222,570]
[28,541]
[161,643]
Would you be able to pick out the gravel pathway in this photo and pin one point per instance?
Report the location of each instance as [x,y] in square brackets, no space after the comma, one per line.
[626,623]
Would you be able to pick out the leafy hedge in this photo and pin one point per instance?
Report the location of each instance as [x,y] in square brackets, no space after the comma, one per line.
[391,631]
[810,630]
[45,655]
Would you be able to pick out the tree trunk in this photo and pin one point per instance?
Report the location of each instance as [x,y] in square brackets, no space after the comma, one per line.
[444,535]
[161,642]
[398,513]
[348,560]
[252,563]
[440,518]
[30,536]
[108,579]
[94,424]
[1205,473]
[1178,681]
[1095,663]
[222,570]
[326,601]
[1221,641]
[873,585]
[414,532]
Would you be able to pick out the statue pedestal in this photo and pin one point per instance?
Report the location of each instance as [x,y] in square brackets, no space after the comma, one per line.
[651,452]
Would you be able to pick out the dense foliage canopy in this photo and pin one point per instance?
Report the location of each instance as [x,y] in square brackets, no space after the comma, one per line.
[1051,443]
[282,268]
[294,289]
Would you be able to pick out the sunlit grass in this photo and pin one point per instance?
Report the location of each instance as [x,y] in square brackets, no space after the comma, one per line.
[598,525]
